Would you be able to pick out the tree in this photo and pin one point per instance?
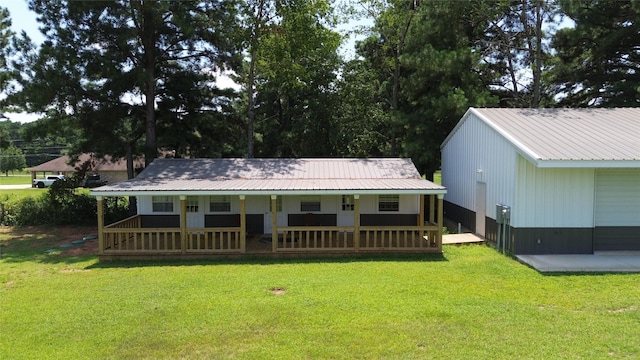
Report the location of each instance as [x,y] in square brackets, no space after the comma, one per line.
[296,65]
[597,61]
[124,73]
[446,74]
[514,44]
[5,38]
[11,159]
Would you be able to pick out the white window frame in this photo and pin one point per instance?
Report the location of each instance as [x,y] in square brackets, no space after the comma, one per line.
[348,202]
[310,203]
[388,203]
[193,204]
[162,204]
[223,201]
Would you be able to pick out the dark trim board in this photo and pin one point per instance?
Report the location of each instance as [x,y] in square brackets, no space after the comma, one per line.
[160,221]
[255,223]
[388,219]
[230,220]
[312,219]
[552,241]
[458,214]
[619,238]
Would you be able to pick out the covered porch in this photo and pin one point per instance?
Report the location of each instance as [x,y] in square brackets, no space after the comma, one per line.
[128,238]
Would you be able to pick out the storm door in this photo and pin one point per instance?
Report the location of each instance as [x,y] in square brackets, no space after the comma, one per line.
[195,212]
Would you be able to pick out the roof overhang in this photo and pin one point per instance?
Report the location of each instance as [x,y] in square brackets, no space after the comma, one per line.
[271,192]
[592,164]
[175,187]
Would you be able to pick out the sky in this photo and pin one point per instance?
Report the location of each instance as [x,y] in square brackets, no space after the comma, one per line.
[24,19]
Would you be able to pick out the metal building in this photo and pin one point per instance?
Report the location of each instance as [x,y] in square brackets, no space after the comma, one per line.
[546,181]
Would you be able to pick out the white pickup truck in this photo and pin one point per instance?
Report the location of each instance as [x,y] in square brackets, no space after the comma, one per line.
[46,182]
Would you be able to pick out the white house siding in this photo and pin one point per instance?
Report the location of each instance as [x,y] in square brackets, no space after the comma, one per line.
[553,198]
[477,153]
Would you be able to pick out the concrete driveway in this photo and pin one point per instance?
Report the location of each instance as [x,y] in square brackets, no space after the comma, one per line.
[20,186]
[618,262]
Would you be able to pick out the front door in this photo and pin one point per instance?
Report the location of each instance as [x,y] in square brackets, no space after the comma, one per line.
[281,215]
[195,214]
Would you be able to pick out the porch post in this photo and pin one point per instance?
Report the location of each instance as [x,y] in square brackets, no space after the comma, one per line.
[100,225]
[243,224]
[274,223]
[440,221]
[432,209]
[421,216]
[183,223]
[356,222]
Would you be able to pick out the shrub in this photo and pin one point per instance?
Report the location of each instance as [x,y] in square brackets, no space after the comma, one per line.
[61,205]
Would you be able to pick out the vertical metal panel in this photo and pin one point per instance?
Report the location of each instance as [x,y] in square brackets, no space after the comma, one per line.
[553,198]
[475,153]
[617,198]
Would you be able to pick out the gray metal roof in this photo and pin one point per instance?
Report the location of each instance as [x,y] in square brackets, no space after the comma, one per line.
[275,176]
[592,137]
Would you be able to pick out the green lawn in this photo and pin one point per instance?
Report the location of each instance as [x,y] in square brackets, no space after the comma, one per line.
[472,303]
[17,179]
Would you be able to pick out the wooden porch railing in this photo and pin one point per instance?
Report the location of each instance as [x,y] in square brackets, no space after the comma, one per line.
[372,238]
[219,240]
[127,237]
[310,238]
[130,240]
[398,238]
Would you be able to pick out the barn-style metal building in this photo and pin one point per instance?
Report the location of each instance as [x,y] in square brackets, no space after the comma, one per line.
[567,180]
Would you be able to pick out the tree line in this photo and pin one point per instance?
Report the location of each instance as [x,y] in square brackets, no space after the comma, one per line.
[129,77]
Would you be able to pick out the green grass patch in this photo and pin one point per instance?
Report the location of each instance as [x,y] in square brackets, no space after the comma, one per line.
[17,179]
[470,303]
[437,177]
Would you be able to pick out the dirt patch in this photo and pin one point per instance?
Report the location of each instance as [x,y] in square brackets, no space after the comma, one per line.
[44,238]
[278,291]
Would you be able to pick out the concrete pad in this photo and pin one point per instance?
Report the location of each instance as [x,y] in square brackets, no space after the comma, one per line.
[11,187]
[465,238]
[582,263]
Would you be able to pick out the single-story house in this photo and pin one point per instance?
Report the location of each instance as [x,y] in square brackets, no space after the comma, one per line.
[110,171]
[238,206]
[546,181]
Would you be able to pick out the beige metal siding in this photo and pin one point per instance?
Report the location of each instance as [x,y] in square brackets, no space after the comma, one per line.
[617,198]
[475,153]
[553,198]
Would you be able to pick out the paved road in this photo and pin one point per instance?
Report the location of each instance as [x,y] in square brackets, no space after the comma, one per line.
[9,187]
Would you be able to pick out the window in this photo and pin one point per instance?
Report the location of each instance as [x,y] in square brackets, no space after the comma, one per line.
[162,203]
[220,203]
[193,205]
[347,202]
[278,204]
[388,202]
[310,203]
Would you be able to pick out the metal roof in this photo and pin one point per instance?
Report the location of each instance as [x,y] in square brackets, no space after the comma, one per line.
[275,177]
[64,163]
[588,137]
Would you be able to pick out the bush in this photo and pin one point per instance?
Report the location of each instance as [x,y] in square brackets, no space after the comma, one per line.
[61,205]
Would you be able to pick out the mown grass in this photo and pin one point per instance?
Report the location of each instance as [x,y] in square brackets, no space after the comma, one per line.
[470,303]
[15,179]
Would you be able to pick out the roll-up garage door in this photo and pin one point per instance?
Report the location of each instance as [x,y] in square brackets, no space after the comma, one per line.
[617,212]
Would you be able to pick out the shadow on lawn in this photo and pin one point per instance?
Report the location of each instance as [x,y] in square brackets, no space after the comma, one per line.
[257,260]
[50,245]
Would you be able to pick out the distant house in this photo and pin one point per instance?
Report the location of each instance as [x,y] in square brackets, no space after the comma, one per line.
[110,171]
[277,206]
[567,179]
